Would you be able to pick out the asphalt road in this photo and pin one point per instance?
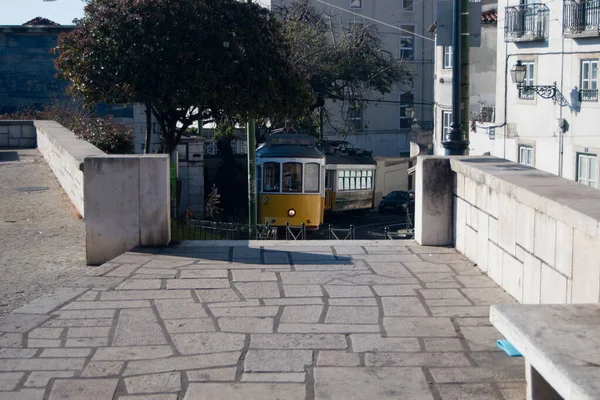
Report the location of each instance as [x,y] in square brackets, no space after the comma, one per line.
[368,226]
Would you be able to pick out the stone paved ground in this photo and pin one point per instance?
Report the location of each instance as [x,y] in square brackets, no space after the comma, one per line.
[357,320]
[43,240]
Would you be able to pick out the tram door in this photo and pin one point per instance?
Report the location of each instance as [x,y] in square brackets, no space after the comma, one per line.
[329,179]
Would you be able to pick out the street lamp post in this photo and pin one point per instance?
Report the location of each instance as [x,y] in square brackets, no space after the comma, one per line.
[455,141]
[517,75]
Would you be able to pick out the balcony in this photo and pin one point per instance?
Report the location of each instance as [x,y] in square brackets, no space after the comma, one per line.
[588,95]
[526,23]
[581,19]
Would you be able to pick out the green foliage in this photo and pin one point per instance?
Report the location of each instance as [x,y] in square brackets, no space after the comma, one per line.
[109,136]
[342,64]
[189,59]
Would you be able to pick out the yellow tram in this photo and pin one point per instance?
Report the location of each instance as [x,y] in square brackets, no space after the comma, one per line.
[290,172]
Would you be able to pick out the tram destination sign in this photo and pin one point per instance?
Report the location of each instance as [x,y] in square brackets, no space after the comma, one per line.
[301,140]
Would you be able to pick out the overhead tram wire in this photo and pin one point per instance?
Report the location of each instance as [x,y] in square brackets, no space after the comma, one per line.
[376,20]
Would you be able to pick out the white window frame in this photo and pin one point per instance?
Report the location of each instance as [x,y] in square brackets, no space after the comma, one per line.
[409,8]
[447,59]
[526,155]
[356,117]
[401,106]
[589,83]
[404,35]
[355,4]
[529,80]
[590,161]
[446,122]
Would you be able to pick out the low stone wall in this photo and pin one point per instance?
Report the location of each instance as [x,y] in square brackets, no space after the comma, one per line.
[17,134]
[124,199]
[64,153]
[536,235]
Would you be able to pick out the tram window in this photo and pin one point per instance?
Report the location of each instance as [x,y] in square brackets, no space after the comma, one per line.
[363,181]
[369,179]
[311,178]
[259,177]
[292,177]
[340,180]
[271,180]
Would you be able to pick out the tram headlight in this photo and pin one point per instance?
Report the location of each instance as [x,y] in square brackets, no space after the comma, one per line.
[291,212]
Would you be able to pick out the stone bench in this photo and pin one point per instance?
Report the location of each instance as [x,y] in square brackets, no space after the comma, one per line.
[561,346]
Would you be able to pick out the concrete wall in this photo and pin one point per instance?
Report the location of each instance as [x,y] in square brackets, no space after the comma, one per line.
[536,235]
[27,74]
[126,200]
[17,134]
[392,174]
[64,153]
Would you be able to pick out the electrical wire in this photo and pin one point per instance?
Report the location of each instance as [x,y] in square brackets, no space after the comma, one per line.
[376,20]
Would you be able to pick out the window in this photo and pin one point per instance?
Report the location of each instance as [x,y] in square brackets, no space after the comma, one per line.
[526,155]
[447,57]
[355,180]
[446,123]
[406,100]
[292,177]
[528,94]
[311,178]
[259,177]
[586,170]
[271,181]
[407,42]
[355,115]
[211,148]
[589,81]
[356,4]
[407,5]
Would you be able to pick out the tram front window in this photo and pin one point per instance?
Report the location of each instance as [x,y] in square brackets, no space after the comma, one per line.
[292,177]
[271,180]
[311,178]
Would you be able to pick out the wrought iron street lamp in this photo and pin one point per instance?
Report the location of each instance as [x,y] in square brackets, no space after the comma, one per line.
[517,74]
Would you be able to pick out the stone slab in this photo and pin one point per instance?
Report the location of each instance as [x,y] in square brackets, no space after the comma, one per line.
[212,342]
[560,341]
[419,326]
[301,314]
[182,363]
[167,382]
[98,389]
[10,380]
[383,359]
[172,309]
[212,374]
[41,378]
[375,342]
[352,315]
[274,377]
[258,290]
[246,324]
[189,325]
[47,303]
[138,327]
[258,360]
[245,391]
[403,306]
[38,364]
[351,383]
[298,341]
[19,323]
[125,353]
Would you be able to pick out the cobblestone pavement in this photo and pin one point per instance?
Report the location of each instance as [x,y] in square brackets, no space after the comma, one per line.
[357,320]
[43,240]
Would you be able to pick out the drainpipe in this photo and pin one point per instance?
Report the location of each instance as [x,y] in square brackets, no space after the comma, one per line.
[561,139]
[465,50]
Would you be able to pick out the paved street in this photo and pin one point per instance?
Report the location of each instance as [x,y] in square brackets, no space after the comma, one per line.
[301,320]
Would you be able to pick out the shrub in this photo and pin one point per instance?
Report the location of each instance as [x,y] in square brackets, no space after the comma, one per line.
[109,136]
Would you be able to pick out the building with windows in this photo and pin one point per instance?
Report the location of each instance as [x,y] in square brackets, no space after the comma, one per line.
[384,126]
[482,86]
[550,121]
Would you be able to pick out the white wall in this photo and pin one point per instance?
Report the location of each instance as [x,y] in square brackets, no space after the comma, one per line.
[536,235]
[64,153]
[534,122]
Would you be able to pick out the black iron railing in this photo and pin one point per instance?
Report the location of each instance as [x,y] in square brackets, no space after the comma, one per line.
[588,94]
[341,233]
[210,230]
[526,22]
[581,18]
[295,232]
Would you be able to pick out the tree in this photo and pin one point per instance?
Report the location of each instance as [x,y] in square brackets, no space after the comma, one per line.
[188,60]
[339,63]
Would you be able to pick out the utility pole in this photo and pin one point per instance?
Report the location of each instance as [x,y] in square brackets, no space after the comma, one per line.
[251,140]
[455,142]
[465,66]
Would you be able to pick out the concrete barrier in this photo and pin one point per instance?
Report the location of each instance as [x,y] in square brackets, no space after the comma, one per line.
[536,235]
[124,199]
[64,153]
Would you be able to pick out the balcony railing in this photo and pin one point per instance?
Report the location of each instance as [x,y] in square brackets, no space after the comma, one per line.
[581,18]
[588,94]
[526,23]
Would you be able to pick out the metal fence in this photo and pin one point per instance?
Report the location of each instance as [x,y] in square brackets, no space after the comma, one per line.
[581,16]
[295,232]
[526,21]
[404,230]
[210,230]
[340,233]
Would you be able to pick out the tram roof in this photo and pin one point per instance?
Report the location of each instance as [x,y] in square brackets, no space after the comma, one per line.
[286,150]
[333,159]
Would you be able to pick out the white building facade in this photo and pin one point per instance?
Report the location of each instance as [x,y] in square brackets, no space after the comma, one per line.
[482,78]
[384,127]
[558,43]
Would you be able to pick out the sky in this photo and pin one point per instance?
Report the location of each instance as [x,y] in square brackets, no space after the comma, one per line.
[17,12]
